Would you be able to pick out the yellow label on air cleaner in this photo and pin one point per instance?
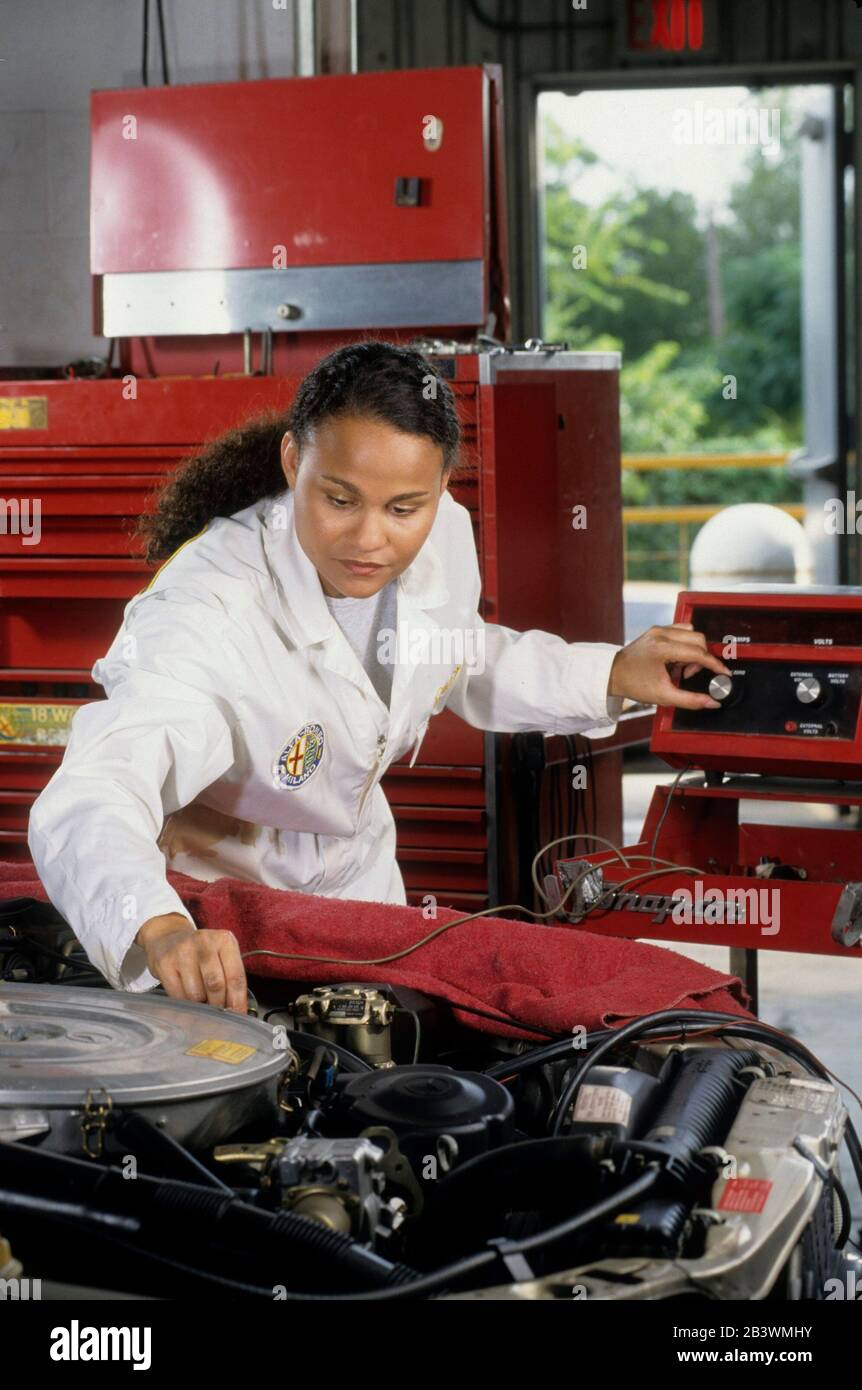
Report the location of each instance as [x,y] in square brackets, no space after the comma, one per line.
[221,1051]
[36,725]
[23,412]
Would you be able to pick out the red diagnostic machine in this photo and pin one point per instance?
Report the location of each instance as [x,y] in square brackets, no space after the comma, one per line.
[788,729]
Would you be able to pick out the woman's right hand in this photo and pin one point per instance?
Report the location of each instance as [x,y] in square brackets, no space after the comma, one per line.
[204,966]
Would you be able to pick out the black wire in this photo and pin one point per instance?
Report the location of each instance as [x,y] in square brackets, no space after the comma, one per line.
[730,1026]
[580,803]
[673,789]
[24,943]
[145,80]
[143,1253]
[632,1192]
[422,1284]
[545,798]
[572,818]
[162,44]
[341,1052]
[427,1283]
[418,1027]
[569,791]
[511,1067]
[556,815]
[537,1056]
[538,789]
[509,1020]
[562,806]
[557,827]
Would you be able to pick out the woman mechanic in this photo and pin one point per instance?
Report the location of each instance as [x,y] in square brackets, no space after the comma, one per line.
[255,694]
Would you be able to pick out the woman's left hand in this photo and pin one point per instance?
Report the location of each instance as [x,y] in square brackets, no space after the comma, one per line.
[644,670]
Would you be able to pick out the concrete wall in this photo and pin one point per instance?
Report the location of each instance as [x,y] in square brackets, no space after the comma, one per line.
[53,53]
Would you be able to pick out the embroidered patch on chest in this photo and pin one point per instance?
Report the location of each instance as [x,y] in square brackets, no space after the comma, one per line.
[299,758]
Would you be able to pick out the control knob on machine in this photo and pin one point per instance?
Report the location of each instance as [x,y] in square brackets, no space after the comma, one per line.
[720,688]
[808,690]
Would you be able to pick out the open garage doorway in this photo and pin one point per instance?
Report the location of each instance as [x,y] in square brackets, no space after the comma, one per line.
[702,232]
[707,234]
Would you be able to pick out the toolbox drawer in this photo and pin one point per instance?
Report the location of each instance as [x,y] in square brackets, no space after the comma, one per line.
[77,516]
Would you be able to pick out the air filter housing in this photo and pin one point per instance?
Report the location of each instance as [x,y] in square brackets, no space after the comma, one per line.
[197,1072]
[421,1104]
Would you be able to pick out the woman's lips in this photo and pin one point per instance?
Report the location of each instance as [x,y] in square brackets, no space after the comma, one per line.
[354,567]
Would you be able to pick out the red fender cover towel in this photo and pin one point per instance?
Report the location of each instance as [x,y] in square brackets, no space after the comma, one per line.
[552,977]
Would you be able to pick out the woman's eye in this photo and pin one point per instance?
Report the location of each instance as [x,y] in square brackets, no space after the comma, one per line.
[342,502]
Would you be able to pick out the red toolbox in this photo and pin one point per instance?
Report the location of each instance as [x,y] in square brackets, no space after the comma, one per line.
[209,229]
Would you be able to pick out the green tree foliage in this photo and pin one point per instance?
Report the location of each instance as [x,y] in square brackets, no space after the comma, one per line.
[621,251]
[643,290]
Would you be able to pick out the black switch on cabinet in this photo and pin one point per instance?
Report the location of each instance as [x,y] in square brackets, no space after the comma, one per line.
[408,193]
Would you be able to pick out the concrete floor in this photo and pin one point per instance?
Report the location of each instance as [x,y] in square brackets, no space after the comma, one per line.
[816,998]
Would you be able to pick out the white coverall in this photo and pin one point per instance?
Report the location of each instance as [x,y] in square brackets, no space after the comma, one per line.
[242,736]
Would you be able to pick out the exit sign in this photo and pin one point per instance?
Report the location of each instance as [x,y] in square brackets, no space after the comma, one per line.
[658,30]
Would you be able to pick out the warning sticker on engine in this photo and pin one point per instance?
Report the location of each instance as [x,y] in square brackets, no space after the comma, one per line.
[221,1051]
[606,1104]
[745,1194]
[814,1097]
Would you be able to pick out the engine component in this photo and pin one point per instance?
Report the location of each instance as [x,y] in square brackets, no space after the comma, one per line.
[363,1186]
[339,1182]
[783,1144]
[436,1112]
[696,1112]
[357,1016]
[654,1229]
[37,944]
[613,1102]
[162,1214]
[326,1179]
[69,1056]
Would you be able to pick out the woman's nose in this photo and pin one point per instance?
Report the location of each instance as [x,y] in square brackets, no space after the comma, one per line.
[370,535]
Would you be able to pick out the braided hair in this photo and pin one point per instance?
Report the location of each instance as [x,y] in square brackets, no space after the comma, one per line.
[377,380]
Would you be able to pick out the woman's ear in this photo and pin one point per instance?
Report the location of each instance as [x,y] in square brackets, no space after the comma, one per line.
[289,459]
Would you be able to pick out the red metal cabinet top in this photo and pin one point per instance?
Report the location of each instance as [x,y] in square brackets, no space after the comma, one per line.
[215,175]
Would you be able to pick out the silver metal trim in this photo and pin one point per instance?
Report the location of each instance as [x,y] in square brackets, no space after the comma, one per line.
[300,298]
[553,362]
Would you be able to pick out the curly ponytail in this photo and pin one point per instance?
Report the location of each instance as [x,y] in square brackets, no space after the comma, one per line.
[378,380]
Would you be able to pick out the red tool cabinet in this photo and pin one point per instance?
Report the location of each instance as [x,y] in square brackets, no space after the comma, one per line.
[540,435]
[310,212]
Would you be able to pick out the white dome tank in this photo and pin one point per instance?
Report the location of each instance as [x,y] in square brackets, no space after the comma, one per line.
[750,543]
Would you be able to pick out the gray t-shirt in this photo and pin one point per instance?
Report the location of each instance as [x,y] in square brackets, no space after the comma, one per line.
[362,620]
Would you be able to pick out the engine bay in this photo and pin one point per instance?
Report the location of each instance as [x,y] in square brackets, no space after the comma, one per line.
[359,1142]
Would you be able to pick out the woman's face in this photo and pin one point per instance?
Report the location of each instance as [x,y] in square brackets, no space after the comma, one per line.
[365,499]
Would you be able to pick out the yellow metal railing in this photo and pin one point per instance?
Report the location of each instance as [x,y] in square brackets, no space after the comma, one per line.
[687,516]
[696,462]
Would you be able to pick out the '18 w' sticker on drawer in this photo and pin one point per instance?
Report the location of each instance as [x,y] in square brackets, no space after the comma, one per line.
[36,725]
